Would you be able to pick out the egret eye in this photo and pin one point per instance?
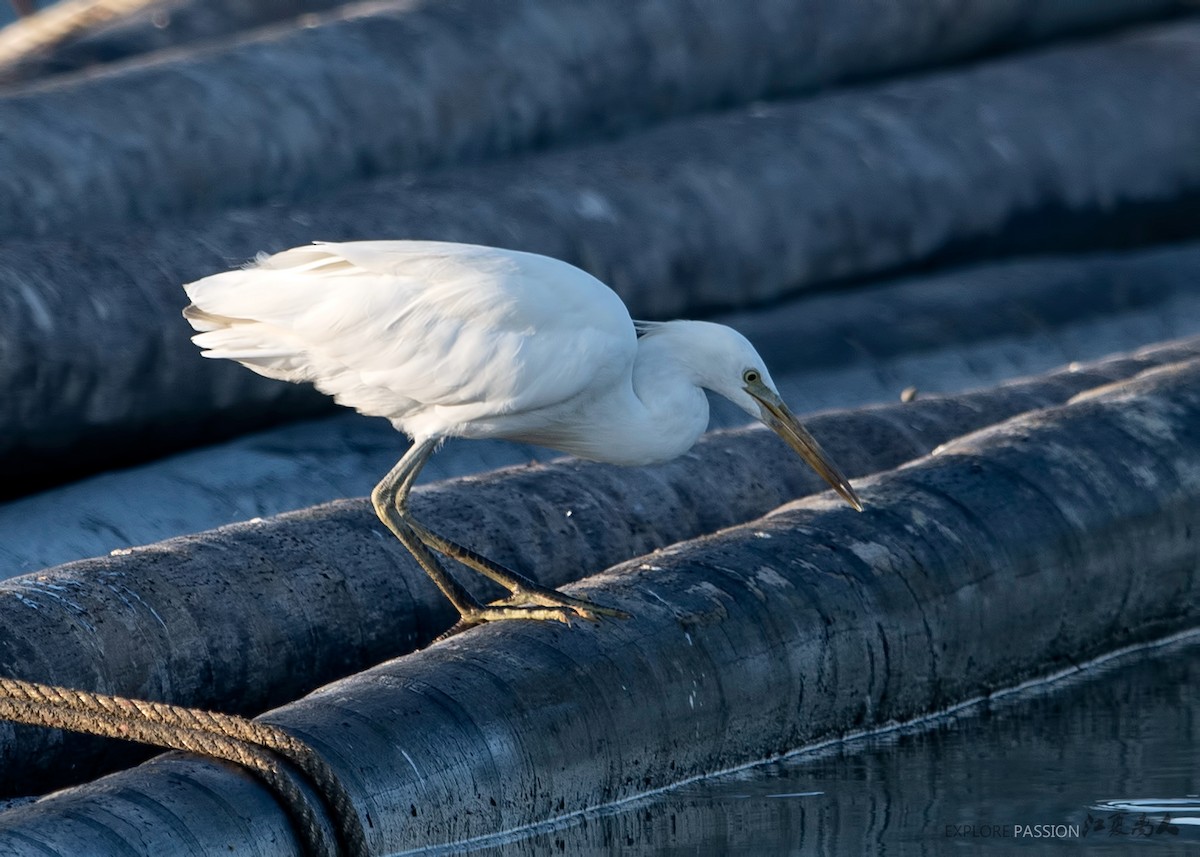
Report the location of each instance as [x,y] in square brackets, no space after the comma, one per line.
[751,376]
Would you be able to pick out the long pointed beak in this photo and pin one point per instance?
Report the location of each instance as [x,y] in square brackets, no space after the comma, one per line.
[778,418]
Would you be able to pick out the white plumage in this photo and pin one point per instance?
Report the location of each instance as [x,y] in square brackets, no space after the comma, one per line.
[461,340]
[432,336]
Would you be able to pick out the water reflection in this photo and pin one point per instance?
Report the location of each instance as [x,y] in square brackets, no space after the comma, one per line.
[1107,759]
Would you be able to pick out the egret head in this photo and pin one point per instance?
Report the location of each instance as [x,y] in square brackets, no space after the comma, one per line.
[725,362]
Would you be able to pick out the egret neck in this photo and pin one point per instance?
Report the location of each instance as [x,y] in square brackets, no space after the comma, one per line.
[662,410]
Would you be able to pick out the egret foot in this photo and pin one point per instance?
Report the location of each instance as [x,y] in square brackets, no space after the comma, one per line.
[537,604]
[499,611]
[532,595]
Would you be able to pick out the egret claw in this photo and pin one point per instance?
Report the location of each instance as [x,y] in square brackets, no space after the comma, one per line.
[594,612]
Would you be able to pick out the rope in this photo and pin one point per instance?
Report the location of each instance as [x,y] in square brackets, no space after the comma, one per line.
[259,747]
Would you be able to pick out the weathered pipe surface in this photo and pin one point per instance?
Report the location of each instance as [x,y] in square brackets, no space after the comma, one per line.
[251,615]
[883,795]
[927,35]
[387,87]
[153,26]
[960,330]
[1009,554]
[717,211]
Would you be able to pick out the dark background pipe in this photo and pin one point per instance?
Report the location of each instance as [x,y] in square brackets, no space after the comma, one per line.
[719,211]
[381,88]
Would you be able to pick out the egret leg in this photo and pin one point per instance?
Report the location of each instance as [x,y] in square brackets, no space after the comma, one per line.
[383,498]
[524,591]
[529,599]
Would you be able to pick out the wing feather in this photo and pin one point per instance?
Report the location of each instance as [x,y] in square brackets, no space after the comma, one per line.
[424,333]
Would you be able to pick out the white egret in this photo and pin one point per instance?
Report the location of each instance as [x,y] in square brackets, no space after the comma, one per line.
[455,340]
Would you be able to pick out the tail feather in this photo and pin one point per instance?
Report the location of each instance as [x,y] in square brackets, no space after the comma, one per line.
[245,315]
[266,350]
[205,321]
[298,316]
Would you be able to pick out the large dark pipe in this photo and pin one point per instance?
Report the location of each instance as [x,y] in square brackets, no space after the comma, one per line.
[254,614]
[407,85]
[962,576]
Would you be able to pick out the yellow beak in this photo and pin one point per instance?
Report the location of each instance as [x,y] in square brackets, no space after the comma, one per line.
[778,418]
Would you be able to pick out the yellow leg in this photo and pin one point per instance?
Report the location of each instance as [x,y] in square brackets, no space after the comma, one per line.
[529,599]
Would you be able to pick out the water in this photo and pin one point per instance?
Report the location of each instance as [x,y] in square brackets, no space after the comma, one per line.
[1098,759]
